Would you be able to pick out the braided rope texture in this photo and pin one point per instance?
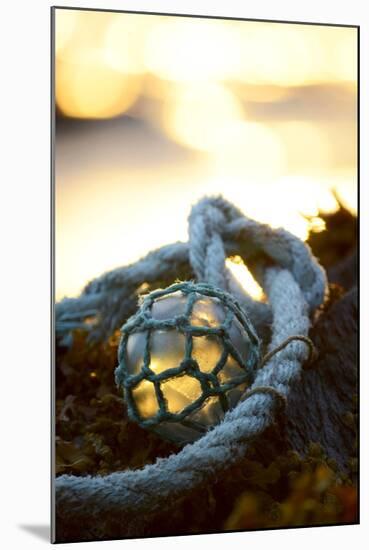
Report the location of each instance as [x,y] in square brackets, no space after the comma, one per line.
[109,297]
[294,283]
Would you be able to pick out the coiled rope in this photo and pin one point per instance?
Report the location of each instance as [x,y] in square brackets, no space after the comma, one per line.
[294,283]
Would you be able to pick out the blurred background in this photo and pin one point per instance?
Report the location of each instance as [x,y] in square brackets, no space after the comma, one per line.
[153,112]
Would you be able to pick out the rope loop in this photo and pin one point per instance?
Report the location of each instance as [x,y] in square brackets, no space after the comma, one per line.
[299,337]
[294,284]
[278,397]
[207,223]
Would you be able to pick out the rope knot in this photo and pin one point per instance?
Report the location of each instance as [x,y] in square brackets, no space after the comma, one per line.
[207,223]
[214,220]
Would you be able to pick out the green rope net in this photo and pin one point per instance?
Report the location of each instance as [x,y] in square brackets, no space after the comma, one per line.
[210,381]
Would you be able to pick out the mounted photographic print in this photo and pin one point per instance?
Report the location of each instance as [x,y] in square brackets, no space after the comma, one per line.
[205,275]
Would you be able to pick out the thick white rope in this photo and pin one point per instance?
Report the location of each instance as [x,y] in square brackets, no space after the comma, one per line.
[291,294]
[110,296]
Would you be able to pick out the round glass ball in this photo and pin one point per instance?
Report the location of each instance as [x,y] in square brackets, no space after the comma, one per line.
[186,357]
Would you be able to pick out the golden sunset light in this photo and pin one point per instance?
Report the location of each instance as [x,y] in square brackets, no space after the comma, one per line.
[261,113]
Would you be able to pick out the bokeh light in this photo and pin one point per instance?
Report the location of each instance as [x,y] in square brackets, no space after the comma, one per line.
[250,148]
[124,44]
[65,25]
[88,88]
[197,116]
[192,50]
[153,112]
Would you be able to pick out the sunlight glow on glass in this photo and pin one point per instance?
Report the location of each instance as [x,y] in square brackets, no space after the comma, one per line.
[167,350]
